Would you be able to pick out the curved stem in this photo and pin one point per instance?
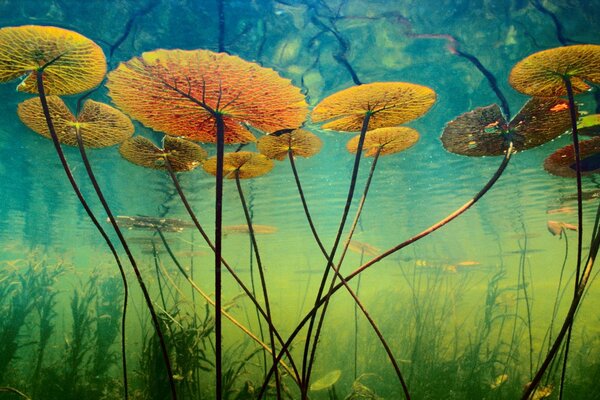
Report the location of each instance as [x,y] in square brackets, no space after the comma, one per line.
[9,389]
[579,277]
[263,282]
[138,273]
[573,115]
[354,295]
[210,301]
[567,322]
[305,205]
[560,279]
[394,249]
[235,276]
[90,213]
[331,257]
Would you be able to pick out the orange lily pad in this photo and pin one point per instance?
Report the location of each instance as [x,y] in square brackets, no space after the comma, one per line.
[386,140]
[485,132]
[562,161]
[299,141]
[99,124]
[180,92]
[388,103]
[182,154]
[245,164]
[543,73]
[71,62]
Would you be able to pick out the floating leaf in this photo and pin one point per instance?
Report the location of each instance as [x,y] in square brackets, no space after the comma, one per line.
[389,140]
[182,154]
[543,73]
[301,143]
[71,62]
[247,165]
[99,124]
[589,125]
[389,103]
[485,132]
[327,381]
[179,92]
[562,161]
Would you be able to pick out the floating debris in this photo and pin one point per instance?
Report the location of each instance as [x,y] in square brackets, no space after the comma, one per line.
[556,228]
[561,210]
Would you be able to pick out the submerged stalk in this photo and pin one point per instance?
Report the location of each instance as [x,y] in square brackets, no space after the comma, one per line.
[218,244]
[138,273]
[306,364]
[90,213]
[580,279]
[292,371]
[394,249]
[263,282]
[357,302]
[235,276]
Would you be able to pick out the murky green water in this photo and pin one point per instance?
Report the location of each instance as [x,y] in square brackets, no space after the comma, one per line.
[468,312]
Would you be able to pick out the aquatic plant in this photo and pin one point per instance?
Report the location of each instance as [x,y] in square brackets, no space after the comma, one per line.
[360,108]
[561,162]
[58,61]
[244,165]
[203,95]
[486,132]
[19,297]
[550,73]
[180,155]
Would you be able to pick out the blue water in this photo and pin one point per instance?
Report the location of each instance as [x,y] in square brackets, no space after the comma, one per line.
[430,299]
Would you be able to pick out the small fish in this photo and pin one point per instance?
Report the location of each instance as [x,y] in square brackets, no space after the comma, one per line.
[562,210]
[258,229]
[468,263]
[541,392]
[197,253]
[363,248]
[421,263]
[449,268]
[500,379]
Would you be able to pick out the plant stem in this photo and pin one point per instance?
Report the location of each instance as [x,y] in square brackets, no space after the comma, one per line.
[235,276]
[306,364]
[354,296]
[8,389]
[262,281]
[218,243]
[568,319]
[394,249]
[336,270]
[293,373]
[90,213]
[304,205]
